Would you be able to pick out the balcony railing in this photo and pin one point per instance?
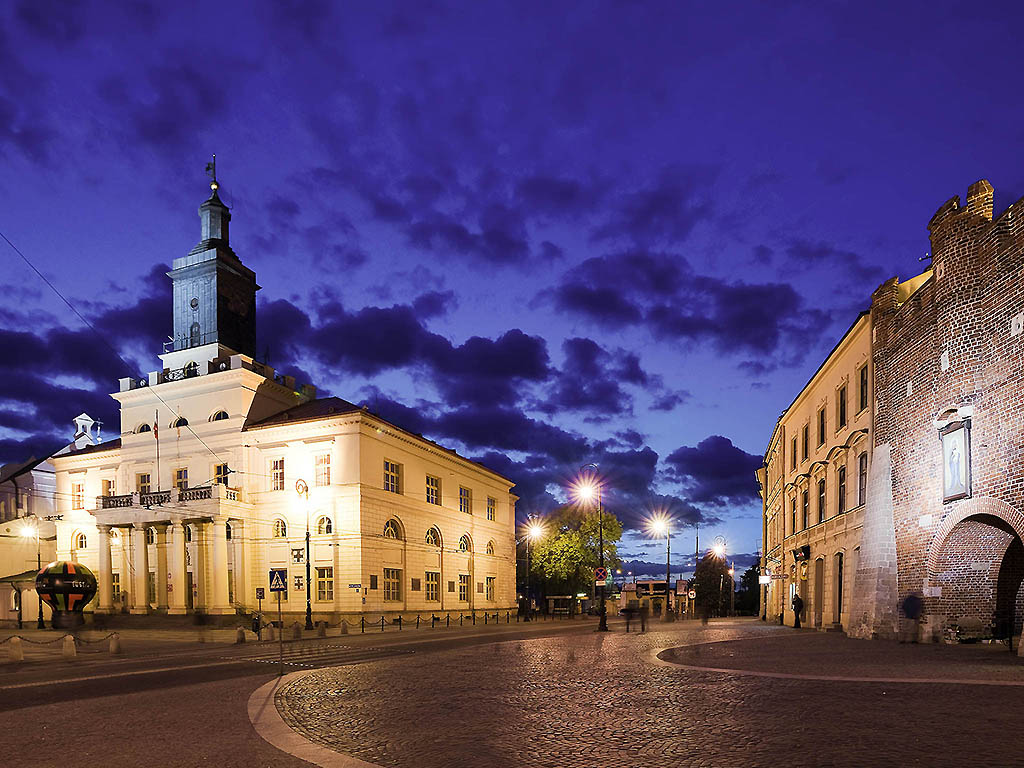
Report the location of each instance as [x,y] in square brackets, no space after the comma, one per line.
[199,493]
[115,502]
[156,498]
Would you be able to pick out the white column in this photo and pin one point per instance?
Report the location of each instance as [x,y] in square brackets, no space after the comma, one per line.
[161,568]
[219,602]
[244,593]
[106,604]
[177,597]
[140,568]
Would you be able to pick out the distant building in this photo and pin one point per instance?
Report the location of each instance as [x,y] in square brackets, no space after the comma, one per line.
[223,468]
[944,510]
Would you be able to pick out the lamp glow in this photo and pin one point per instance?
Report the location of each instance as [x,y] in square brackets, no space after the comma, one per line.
[27,531]
[719,550]
[535,531]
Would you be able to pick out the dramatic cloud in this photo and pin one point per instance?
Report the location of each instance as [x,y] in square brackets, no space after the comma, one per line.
[715,472]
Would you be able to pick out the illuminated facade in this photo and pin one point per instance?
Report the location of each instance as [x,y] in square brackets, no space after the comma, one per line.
[223,466]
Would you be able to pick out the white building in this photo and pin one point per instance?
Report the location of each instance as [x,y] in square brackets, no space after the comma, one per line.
[197,500]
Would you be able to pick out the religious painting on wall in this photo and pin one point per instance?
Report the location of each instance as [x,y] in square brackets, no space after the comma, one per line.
[956,461]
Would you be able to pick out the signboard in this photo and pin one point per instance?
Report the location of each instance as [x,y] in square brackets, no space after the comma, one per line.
[764,579]
[600,574]
[600,583]
[278,579]
[693,594]
[355,586]
[260,593]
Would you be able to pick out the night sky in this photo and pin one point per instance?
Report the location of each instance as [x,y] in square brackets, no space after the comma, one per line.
[542,234]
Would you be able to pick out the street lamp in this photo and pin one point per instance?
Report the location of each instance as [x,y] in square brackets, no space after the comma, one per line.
[534,530]
[303,490]
[660,527]
[719,552]
[27,532]
[590,490]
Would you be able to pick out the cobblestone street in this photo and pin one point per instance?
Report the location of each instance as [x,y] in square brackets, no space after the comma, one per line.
[591,699]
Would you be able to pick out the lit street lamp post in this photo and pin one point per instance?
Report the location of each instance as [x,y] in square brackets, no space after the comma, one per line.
[534,530]
[592,490]
[660,526]
[26,532]
[303,490]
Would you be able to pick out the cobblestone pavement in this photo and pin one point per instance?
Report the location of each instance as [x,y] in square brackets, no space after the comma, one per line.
[589,699]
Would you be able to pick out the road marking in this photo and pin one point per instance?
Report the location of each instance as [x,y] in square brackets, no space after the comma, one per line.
[65,680]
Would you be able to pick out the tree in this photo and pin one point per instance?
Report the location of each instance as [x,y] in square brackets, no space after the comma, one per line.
[565,559]
[712,582]
[748,596]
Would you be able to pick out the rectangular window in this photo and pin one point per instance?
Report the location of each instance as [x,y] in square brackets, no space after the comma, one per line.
[77,496]
[862,391]
[432,579]
[181,478]
[414,585]
[143,482]
[392,477]
[323,470]
[821,427]
[325,584]
[151,588]
[806,440]
[220,474]
[464,587]
[792,460]
[107,487]
[806,509]
[489,595]
[433,490]
[492,506]
[862,479]
[115,581]
[821,500]
[465,500]
[842,489]
[392,584]
[373,581]
[451,586]
[792,527]
[841,406]
[277,475]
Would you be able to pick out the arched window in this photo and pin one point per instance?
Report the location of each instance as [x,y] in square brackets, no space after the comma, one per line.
[79,541]
[219,416]
[227,531]
[391,530]
[192,369]
[188,533]
[144,427]
[490,547]
[280,529]
[179,422]
[151,535]
[464,545]
[433,538]
[324,525]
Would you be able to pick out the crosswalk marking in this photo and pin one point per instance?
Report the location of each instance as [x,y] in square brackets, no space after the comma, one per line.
[321,655]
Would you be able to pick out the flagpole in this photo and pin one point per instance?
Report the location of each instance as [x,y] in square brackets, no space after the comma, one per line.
[156,436]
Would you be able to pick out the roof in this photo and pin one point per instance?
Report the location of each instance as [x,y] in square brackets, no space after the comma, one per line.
[10,471]
[16,578]
[107,446]
[330,407]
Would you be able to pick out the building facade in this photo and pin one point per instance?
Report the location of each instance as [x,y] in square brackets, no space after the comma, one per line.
[224,470]
[944,512]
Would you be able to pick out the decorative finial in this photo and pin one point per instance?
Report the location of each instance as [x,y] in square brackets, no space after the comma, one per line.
[211,168]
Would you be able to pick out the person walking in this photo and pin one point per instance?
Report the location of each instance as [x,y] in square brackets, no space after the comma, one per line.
[912,606]
[798,608]
[644,610]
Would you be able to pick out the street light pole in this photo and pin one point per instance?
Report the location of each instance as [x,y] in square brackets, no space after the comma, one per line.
[303,490]
[668,571]
[39,567]
[602,609]
[529,604]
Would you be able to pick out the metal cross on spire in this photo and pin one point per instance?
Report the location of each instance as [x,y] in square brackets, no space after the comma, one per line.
[211,168]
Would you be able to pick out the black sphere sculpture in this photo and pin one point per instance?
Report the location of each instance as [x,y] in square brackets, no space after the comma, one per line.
[66,587]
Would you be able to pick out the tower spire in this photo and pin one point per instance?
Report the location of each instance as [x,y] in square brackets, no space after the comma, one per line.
[211,168]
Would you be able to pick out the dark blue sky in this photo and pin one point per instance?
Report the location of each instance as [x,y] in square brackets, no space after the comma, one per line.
[545,235]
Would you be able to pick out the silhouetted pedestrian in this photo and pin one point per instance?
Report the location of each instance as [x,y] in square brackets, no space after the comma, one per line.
[644,611]
[798,608]
[913,605]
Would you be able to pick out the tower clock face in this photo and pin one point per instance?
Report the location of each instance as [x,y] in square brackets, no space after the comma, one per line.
[194,303]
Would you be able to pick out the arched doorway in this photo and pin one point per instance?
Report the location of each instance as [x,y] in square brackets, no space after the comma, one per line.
[976,562]
[837,604]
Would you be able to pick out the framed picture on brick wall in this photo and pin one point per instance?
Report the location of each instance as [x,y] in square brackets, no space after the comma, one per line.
[956,460]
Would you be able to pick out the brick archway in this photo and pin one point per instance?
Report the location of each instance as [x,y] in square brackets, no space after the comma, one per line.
[984,505]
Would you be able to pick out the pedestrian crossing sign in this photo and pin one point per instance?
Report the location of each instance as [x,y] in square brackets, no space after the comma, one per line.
[278,579]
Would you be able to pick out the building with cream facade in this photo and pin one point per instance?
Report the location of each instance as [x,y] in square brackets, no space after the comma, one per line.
[814,487]
[223,466]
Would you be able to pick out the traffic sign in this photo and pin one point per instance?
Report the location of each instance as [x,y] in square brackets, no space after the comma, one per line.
[600,574]
[260,593]
[600,583]
[693,594]
[278,579]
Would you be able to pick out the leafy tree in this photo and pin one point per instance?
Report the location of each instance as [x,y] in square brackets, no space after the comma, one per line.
[712,582]
[748,596]
[565,558]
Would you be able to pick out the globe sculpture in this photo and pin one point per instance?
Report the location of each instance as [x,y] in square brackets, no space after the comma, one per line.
[66,587]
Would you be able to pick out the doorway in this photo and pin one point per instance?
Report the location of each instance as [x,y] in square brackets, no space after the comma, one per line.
[819,590]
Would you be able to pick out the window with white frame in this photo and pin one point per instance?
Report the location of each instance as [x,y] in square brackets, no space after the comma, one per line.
[391,530]
[324,526]
[489,589]
[143,482]
[107,487]
[151,535]
[432,582]
[392,476]
[841,483]
[277,475]
[492,508]
[220,474]
[181,478]
[78,496]
[433,538]
[464,544]
[490,548]
[465,500]
[433,490]
[392,584]
[325,583]
[323,470]
[115,582]
[80,541]
[862,479]
[464,587]
[280,529]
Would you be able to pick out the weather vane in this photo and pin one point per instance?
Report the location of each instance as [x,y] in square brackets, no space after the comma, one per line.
[211,168]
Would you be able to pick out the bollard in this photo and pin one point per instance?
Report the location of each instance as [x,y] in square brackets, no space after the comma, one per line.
[474,618]
[381,623]
[16,652]
[400,623]
[362,624]
[448,621]
[344,627]
[296,631]
[115,643]
[321,629]
[68,649]
[417,621]
[461,617]
[508,617]
[485,619]
[239,636]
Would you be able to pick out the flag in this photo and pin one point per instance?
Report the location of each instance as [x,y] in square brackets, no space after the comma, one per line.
[156,431]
